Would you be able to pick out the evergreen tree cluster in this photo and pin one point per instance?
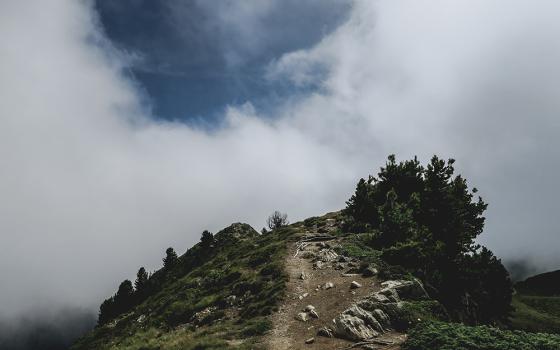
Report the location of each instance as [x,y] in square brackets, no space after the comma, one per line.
[146,284]
[426,219]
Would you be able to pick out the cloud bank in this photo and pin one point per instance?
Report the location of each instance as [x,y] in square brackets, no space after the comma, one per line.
[92,186]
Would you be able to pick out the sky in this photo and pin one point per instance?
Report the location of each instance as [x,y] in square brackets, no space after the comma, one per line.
[128,127]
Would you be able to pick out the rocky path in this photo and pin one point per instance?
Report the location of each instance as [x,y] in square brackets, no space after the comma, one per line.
[319,289]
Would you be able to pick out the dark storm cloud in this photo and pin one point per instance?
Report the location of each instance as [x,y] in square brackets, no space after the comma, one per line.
[195,57]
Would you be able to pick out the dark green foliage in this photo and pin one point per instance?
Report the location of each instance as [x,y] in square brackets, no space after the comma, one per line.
[207,240]
[119,303]
[489,284]
[141,283]
[449,336]
[255,327]
[170,259]
[241,263]
[426,220]
[411,313]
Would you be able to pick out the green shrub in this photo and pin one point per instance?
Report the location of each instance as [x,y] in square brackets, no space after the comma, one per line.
[453,336]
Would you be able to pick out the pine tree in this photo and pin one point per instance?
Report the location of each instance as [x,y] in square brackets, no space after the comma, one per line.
[170,259]
[207,240]
[141,280]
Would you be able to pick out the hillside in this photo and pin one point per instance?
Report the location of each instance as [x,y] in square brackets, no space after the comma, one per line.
[537,303]
[398,268]
[251,289]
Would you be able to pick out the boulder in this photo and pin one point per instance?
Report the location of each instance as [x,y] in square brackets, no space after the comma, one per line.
[328,285]
[412,290]
[310,341]
[352,328]
[313,314]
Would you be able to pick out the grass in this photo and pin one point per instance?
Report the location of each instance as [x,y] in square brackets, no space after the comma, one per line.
[250,268]
[453,336]
[536,313]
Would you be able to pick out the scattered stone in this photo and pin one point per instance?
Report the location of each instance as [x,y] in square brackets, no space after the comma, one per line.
[141,318]
[308,255]
[313,314]
[302,316]
[353,292]
[339,266]
[355,285]
[304,295]
[302,275]
[326,255]
[310,341]
[328,285]
[318,265]
[369,271]
[231,300]
[309,308]
[350,274]
[342,258]
[202,317]
[325,332]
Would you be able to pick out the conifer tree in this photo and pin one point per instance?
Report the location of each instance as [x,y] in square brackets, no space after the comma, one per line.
[170,259]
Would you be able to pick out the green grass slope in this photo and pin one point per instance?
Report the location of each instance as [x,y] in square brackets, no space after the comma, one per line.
[195,307]
[537,303]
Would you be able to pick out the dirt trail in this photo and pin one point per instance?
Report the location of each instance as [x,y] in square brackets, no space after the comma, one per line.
[290,333]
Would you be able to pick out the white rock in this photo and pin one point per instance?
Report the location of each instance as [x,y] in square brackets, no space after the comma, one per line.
[328,285]
[309,308]
[355,285]
[302,316]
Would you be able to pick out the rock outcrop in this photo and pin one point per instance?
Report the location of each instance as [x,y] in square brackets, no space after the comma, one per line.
[369,317]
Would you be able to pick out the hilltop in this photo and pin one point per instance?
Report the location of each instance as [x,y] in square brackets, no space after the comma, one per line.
[396,269]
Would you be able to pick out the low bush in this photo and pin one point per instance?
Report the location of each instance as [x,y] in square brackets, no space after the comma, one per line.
[454,336]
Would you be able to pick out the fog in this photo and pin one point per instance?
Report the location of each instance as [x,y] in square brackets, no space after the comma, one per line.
[93,185]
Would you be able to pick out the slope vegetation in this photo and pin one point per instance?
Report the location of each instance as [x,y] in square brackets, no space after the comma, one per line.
[537,303]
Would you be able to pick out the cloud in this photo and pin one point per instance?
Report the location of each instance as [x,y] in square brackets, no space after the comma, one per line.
[471,80]
[93,186]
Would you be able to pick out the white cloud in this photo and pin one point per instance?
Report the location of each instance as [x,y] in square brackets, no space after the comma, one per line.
[92,187]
